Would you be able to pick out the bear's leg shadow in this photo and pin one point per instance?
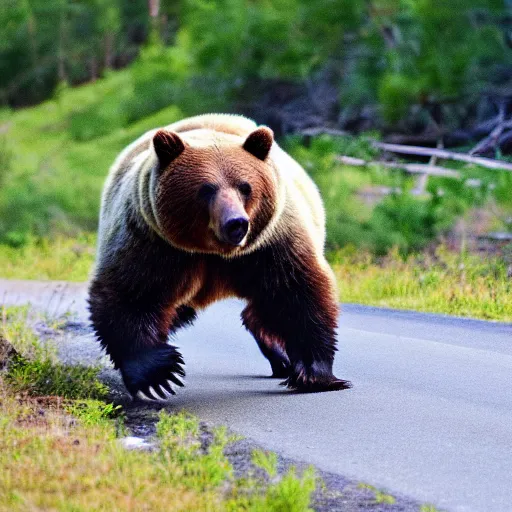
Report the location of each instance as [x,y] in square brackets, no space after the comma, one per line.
[271,347]
[135,335]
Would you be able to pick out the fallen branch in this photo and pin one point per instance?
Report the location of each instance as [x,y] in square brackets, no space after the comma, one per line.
[444,154]
[492,140]
[426,169]
[322,131]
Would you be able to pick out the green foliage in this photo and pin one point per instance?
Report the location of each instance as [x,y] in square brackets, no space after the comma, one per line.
[291,493]
[396,92]
[408,223]
[400,219]
[178,434]
[395,52]
[47,42]
[57,258]
[266,461]
[61,156]
[94,412]
[46,377]
[97,120]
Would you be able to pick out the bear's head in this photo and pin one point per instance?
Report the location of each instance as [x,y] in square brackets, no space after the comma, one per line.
[214,193]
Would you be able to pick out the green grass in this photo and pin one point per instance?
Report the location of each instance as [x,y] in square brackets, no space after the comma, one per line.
[450,283]
[59,448]
[52,178]
[35,370]
[380,497]
[58,258]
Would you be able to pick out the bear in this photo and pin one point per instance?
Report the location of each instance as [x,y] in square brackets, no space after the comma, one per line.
[207,208]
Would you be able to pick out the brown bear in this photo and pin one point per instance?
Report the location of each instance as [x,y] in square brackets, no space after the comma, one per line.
[207,208]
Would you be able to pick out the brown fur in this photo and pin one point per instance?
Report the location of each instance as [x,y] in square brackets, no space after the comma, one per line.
[156,269]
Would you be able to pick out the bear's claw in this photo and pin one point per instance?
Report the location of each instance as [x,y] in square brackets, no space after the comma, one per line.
[154,374]
[316,386]
[315,378]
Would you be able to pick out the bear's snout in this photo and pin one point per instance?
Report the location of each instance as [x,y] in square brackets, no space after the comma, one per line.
[228,218]
[234,229]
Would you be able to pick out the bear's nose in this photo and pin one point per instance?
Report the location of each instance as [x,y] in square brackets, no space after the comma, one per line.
[235,229]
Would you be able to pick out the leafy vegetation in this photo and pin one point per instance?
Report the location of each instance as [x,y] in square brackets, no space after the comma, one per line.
[395,52]
[54,181]
[57,258]
[400,219]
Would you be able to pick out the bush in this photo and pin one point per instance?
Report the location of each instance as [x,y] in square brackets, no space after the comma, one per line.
[401,220]
[97,120]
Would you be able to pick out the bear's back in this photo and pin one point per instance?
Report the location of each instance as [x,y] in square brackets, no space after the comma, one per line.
[231,124]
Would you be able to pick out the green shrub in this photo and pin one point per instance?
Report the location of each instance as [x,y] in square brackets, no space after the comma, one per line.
[97,120]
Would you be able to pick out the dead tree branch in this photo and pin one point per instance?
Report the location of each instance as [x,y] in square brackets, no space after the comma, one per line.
[426,169]
[489,163]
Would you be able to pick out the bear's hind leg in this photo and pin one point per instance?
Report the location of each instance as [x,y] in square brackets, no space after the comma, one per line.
[271,347]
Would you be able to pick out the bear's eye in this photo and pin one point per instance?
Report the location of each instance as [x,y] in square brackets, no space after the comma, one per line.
[207,192]
[245,188]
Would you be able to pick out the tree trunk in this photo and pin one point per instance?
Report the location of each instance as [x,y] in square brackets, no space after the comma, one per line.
[154,14]
[61,52]
[109,47]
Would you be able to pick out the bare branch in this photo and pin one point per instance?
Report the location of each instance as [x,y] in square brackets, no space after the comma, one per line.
[426,169]
[322,131]
[444,154]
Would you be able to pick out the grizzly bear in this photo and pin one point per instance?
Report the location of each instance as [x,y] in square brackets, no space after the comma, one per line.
[207,208]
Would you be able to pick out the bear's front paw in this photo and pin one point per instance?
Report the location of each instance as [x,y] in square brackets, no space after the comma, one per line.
[314,379]
[152,374]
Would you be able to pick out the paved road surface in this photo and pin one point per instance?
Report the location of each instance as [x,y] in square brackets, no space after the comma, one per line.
[430,414]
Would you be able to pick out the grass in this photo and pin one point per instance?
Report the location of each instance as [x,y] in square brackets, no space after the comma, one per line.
[60,449]
[58,258]
[52,179]
[380,497]
[36,370]
[449,283]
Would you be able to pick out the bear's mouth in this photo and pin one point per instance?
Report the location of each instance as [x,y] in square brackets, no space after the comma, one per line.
[233,243]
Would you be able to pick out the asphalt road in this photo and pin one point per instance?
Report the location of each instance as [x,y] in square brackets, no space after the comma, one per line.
[429,416]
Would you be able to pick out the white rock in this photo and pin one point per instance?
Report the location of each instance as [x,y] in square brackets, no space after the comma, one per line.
[136,443]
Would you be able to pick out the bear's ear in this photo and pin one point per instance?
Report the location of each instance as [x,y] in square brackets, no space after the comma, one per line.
[168,146]
[259,142]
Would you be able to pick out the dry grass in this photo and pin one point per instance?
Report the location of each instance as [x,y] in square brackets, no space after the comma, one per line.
[59,258]
[450,283]
[49,461]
